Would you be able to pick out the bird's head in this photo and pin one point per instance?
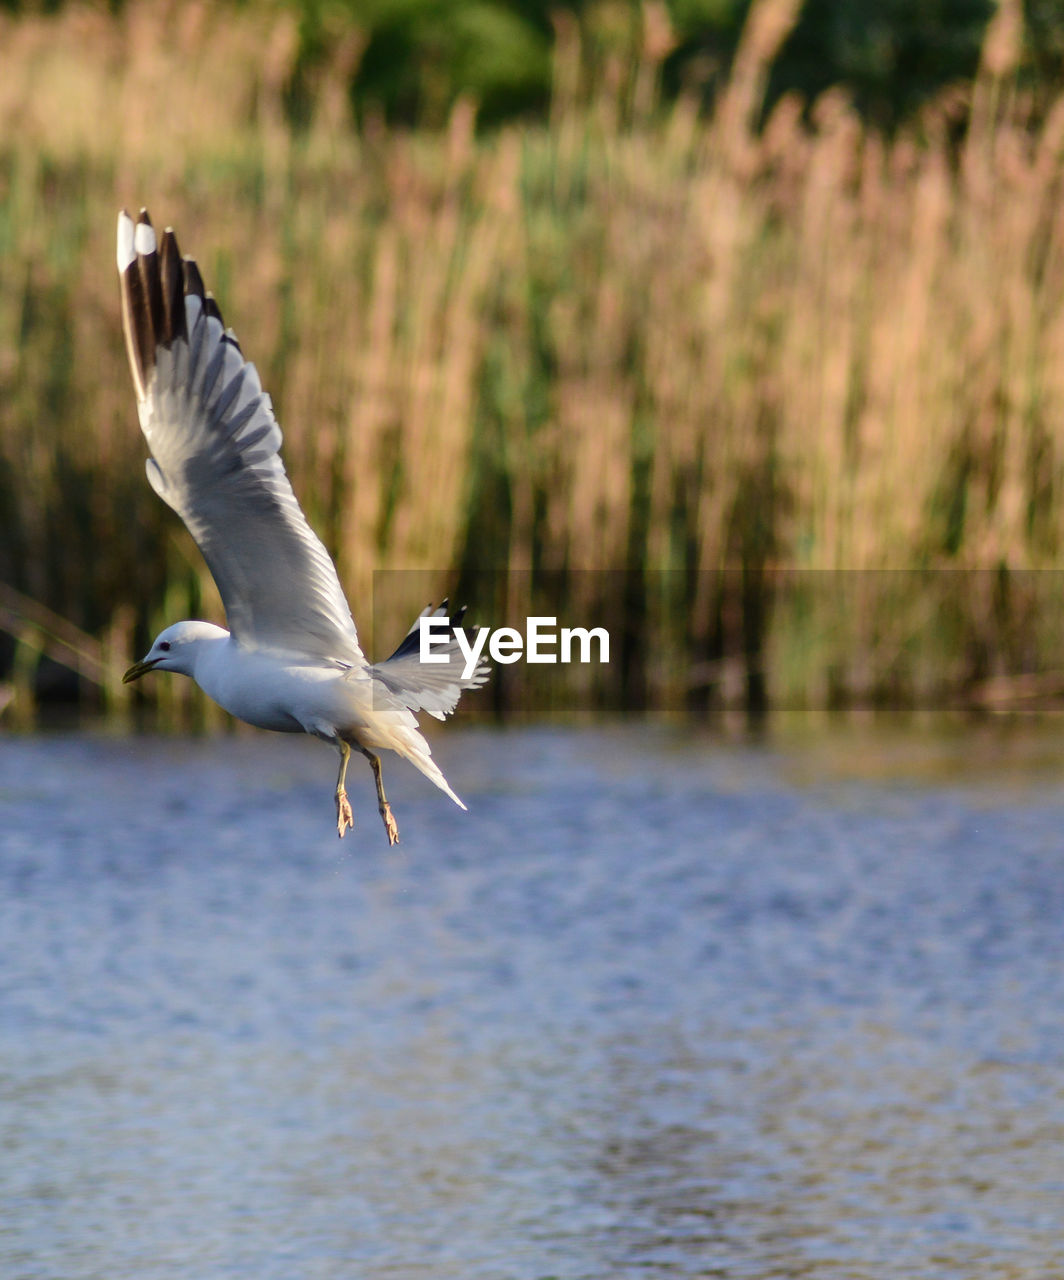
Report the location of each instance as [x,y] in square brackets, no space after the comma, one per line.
[175,649]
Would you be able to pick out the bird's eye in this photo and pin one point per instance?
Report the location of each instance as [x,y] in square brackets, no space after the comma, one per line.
[164,645]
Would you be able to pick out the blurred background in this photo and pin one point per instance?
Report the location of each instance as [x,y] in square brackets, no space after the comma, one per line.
[735,328]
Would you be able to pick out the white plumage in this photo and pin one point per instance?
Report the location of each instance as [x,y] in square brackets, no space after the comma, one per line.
[290,660]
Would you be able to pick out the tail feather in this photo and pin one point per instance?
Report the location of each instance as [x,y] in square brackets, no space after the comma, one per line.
[431,770]
[407,741]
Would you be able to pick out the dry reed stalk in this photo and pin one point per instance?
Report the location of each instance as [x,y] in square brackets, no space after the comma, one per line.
[678,345]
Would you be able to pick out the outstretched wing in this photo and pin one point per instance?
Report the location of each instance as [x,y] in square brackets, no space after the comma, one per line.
[214,445]
[434,687]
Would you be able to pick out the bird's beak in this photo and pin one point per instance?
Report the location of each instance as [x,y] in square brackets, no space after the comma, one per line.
[137,670]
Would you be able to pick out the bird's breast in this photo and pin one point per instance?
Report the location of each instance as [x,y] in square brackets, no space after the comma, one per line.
[271,691]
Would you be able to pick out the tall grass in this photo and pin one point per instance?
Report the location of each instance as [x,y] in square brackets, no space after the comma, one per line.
[781,402]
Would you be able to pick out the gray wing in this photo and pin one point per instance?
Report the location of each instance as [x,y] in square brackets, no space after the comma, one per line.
[434,687]
[214,445]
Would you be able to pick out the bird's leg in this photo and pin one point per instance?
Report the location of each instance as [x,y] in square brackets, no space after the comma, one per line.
[344,818]
[383,807]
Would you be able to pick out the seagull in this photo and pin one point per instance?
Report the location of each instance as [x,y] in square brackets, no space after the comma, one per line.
[291,659]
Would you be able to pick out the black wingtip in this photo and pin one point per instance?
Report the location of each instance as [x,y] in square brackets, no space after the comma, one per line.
[153,321]
[172,275]
[193,280]
[139,310]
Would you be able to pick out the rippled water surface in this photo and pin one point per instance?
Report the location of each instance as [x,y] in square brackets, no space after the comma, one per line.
[657,1006]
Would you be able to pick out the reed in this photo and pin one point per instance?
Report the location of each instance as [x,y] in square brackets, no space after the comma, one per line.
[781,402]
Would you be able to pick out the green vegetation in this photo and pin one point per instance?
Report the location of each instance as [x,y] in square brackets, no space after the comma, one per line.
[778,404]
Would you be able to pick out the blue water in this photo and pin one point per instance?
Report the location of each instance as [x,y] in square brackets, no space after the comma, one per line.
[658,1006]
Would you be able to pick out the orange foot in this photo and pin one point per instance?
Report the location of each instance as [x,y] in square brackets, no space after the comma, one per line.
[390,825]
[344,818]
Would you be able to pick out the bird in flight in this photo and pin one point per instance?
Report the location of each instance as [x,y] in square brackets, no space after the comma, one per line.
[290,660]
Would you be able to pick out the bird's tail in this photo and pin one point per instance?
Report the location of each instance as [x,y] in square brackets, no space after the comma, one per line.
[415,749]
[398,731]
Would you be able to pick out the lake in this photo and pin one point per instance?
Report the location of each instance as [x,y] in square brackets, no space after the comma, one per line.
[661,1004]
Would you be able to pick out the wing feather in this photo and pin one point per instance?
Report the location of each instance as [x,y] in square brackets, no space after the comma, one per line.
[214,445]
[433,687]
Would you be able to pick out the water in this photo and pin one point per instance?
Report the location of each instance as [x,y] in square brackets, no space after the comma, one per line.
[657,1006]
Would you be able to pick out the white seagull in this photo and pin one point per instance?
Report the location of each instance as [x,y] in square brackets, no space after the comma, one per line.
[291,660]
